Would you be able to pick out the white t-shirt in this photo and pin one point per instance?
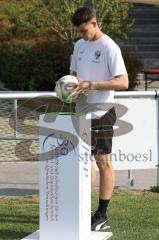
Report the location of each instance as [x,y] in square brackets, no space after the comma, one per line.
[95,61]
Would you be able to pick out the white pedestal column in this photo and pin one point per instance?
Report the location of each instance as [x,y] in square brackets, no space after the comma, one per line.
[65,180]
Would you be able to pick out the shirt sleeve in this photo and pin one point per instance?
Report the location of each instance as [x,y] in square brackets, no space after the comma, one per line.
[116,62]
[73,65]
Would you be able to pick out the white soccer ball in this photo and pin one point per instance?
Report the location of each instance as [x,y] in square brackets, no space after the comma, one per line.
[64,87]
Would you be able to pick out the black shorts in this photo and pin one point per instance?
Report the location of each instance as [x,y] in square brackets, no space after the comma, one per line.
[102,133]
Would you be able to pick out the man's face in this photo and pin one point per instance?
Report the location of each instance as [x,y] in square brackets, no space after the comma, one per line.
[87,30]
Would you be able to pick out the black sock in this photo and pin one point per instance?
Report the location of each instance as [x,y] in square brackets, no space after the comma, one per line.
[102,208]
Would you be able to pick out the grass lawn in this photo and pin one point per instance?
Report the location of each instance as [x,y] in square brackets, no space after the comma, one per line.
[18,217]
[132,214]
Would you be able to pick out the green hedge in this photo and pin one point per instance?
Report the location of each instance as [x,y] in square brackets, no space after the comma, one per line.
[134,66]
[37,67]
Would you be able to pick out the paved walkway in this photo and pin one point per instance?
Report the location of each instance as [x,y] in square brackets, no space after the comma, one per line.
[21,179]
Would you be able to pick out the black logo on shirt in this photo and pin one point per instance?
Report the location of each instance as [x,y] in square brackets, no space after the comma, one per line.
[97,54]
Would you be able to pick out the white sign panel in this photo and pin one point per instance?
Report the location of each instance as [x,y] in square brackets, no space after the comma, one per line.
[137,149]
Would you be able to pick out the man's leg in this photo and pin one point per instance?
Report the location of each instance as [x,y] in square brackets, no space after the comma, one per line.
[107,182]
[107,176]
[93,172]
[102,134]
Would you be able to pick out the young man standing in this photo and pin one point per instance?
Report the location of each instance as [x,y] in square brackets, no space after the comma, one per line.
[98,64]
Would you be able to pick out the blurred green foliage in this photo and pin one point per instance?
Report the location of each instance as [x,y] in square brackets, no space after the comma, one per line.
[36,38]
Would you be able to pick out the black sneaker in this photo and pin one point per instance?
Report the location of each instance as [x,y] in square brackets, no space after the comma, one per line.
[98,222]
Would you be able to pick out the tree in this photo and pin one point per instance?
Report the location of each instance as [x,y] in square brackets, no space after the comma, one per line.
[20,20]
[26,19]
[111,15]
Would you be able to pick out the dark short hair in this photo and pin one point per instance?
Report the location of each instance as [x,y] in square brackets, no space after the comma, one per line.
[83,15]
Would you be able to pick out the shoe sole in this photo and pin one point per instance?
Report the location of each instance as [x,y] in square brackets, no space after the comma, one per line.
[101,227]
[104,228]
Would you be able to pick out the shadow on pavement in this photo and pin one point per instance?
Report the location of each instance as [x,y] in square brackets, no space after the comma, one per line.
[13,192]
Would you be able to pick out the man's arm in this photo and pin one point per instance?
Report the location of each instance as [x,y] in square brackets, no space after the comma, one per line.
[117,83]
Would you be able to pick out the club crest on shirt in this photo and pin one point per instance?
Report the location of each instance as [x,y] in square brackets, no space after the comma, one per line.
[97,54]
